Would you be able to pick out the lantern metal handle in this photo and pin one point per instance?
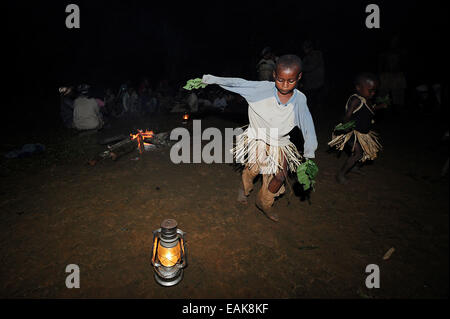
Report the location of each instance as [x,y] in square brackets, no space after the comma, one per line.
[183,248]
[155,234]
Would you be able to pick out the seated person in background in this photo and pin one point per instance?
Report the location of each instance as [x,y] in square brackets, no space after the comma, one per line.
[86,113]
[192,102]
[130,101]
[220,102]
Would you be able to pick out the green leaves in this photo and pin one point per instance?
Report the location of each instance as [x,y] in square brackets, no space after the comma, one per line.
[194,84]
[383,99]
[347,126]
[306,174]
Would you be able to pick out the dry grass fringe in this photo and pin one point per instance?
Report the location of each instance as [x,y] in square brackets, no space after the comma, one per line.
[269,158]
[369,142]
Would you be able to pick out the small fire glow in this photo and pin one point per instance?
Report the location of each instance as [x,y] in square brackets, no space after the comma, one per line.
[185,117]
[141,136]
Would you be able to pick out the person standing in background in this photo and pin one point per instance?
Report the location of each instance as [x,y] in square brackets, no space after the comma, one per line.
[313,76]
[266,65]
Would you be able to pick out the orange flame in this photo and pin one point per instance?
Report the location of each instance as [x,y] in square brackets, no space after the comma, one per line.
[146,134]
[140,136]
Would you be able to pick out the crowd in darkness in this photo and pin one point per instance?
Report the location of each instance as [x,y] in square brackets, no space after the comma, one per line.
[148,94]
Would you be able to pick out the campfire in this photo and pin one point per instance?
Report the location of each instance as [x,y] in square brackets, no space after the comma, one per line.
[141,136]
[144,140]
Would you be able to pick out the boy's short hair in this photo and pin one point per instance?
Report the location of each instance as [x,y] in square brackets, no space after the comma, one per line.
[288,61]
[364,76]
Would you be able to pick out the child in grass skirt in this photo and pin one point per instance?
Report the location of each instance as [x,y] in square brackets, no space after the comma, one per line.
[360,110]
[275,108]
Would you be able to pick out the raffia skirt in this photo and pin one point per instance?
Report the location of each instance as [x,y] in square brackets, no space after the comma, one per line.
[369,143]
[268,158]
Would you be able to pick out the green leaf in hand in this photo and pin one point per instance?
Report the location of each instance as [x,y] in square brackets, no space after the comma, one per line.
[194,84]
[347,126]
[302,177]
[306,174]
[383,99]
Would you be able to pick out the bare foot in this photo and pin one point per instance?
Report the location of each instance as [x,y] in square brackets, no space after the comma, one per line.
[241,198]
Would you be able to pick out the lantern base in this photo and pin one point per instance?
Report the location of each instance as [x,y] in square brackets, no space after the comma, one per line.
[169,281]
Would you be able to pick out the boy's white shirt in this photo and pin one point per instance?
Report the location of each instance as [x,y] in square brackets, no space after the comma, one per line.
[266,112]
[275,122]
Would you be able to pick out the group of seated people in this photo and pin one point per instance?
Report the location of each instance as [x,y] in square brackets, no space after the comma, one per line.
[79,110]
[82,110]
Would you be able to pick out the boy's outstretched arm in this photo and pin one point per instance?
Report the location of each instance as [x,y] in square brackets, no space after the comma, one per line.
[250,90]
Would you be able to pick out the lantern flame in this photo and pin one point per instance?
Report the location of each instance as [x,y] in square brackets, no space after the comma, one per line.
[169,256]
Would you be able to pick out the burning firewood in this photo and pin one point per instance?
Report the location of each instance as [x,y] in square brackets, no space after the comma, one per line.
[115,151]
[141,141]
[119,149]
[140,137]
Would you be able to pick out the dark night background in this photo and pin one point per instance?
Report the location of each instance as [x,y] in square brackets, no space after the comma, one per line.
[125,40]
[60,206]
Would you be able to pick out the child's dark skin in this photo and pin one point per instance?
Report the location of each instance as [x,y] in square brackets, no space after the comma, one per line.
[286,79]
[367,90]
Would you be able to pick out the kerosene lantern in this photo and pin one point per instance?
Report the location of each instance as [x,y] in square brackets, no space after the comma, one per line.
[168,253]
[185,117]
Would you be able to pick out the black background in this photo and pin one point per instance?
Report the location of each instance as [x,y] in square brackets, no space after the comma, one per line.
[125,40]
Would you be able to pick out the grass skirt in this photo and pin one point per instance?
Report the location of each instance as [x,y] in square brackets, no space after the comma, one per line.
[369,143]
[268,158]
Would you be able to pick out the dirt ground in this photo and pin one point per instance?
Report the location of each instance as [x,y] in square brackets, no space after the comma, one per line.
[56,210]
